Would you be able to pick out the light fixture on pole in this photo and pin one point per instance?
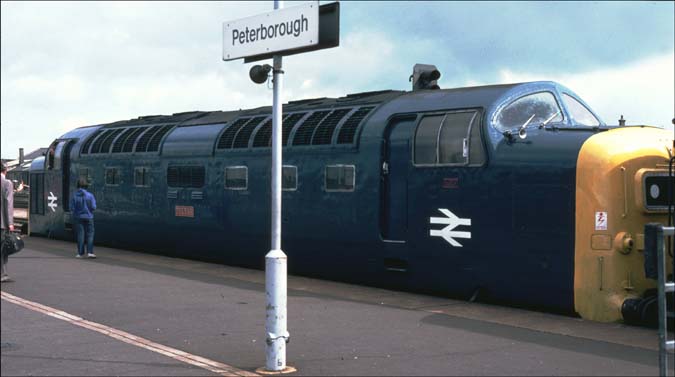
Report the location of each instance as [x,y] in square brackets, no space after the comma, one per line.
[260,73]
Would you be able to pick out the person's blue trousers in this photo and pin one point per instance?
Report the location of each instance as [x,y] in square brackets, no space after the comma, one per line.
[85,233]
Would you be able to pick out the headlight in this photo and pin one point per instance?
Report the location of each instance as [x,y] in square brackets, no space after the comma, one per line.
[654,190]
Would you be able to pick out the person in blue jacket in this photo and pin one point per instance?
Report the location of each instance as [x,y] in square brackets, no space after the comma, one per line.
[82,207]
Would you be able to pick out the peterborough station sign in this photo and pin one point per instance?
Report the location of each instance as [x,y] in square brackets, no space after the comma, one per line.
[281,30]
[285,31]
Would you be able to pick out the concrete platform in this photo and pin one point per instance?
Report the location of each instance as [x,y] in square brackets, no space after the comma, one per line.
[218,313]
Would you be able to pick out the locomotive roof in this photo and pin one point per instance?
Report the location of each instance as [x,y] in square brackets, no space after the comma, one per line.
[315,121]
[475,96]
[194,118]
[158,119]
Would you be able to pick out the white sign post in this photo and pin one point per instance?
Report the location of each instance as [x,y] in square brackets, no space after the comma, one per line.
[284,31]
[276,261]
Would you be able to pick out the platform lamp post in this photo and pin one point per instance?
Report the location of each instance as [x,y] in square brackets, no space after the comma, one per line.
[272,35]
[275,260]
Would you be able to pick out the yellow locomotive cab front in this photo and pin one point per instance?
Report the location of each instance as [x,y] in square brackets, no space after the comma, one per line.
[611,212]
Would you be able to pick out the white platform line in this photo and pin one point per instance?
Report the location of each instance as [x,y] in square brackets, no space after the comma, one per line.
[213,366]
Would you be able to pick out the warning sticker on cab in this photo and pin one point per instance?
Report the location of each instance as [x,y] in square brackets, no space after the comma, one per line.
[601,221]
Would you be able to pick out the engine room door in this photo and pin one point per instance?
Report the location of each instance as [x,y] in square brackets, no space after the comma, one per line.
[394,179]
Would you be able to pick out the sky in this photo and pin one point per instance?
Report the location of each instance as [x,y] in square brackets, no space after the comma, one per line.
[70,64]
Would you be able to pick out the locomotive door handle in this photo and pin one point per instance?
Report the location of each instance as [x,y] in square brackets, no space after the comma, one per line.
[385,168]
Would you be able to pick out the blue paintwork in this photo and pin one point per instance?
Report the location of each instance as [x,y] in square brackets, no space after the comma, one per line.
[521,202]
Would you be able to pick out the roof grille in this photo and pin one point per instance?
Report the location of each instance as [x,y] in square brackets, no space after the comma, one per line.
[154,142]
[348,129]
[303,135]
[289,123]
[87,144]
[105,147]
[226,138]
[263,137]
[243,136]
[96,147]
[131,140]
[143,141]
[324,132]
[117,147]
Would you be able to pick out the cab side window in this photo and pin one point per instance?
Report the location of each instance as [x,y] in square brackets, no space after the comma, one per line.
[449,139]
[54,155]
[426,140]
[579,112]
[476,151]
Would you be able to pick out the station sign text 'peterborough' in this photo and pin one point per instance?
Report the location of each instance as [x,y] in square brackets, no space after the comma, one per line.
[281,30]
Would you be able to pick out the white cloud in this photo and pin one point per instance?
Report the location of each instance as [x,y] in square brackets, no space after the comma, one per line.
[62,88]
[643,92]
[354,66]
[307,84]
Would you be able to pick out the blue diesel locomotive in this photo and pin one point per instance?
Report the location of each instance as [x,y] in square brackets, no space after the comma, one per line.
[514,193]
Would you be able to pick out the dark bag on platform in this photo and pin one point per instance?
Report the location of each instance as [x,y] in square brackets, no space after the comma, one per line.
[13,243]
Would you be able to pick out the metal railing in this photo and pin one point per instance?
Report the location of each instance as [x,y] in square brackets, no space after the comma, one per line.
[655,235]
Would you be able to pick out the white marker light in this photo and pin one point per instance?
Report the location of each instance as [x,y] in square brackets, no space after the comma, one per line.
[654,191]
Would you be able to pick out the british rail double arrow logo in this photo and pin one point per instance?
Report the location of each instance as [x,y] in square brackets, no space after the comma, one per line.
[52,201]
[448,233]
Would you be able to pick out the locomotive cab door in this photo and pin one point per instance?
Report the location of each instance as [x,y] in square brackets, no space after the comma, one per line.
[448,201]
[396,164]
[57,187]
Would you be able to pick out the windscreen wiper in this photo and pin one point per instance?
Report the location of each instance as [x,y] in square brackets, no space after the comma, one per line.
[544,123]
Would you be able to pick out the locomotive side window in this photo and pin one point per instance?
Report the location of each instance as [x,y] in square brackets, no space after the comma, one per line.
[449,139]
[112,176]
[453,147]
[476,151]
[84,173]
[185,176]
[289,178]
[579,112]
[236,177]
[426,138]
[142,177]
[340,177]
[533,109]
